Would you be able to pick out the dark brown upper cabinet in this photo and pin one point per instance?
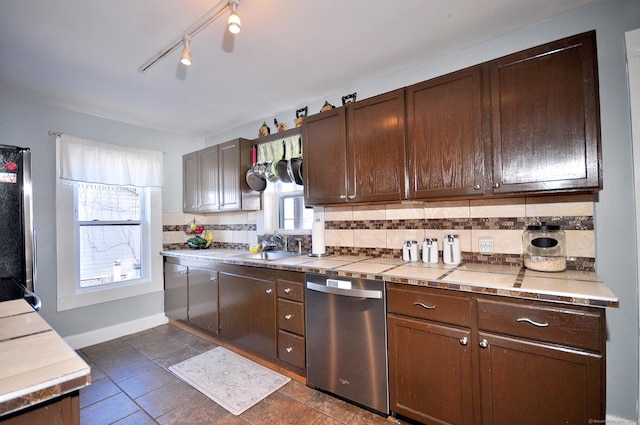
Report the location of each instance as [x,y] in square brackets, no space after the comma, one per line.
[356,153]
[545,121]
[524,123]
[214,178]
[445,140]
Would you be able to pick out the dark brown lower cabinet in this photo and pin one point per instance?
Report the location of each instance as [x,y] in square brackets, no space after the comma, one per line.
[248,312]
[63,410]
[176,291]
[203,299]
[430,370]
[530,383]
[518,361]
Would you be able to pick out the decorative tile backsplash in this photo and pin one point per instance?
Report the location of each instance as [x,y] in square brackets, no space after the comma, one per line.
[380,230]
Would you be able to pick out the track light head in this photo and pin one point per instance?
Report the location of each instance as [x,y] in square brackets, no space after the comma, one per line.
[185,57]
[234,20]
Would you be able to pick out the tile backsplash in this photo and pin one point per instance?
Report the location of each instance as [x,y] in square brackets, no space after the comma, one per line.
[380,230]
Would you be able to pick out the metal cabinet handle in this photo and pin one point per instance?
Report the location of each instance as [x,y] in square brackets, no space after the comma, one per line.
[288,317]
[184,272]
[427,307]
[477,187]
[352,196]
[484,343]
[464,340]
[213,279]
[343,196]
[289,349]
[268,291]
[496,185]
[534,323]
[287,290]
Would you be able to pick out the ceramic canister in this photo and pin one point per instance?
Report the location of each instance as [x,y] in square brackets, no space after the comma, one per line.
[430,250]
[451,249]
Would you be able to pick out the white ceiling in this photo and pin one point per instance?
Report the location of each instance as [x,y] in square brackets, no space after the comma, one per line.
[84,55]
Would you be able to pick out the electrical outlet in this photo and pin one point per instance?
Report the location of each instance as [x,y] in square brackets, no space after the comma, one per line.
[485,245]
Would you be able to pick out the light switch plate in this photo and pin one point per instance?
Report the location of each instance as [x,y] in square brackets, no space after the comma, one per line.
[485,245]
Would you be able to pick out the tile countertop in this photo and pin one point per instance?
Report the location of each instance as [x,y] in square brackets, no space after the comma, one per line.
[570,287]
[38,365]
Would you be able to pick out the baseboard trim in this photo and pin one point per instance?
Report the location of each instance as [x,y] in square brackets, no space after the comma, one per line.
[116,331]
[616,420]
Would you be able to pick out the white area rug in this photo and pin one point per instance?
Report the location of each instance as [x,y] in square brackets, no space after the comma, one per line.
[229,379]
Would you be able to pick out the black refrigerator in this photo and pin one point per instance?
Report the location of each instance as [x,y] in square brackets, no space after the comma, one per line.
[17,255]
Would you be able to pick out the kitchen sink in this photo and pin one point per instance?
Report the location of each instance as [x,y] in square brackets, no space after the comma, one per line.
[269,255]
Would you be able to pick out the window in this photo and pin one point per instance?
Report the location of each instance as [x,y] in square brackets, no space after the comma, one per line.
[110,226]
[292,213]
[108,222]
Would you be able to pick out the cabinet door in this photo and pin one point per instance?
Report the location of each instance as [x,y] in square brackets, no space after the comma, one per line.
[376,149]
[529,383]
[176,298]
[229,164]
[248,312]
[430,377]
[325,164]
[445,138]
[190,167]
[203,299]
[209,179]
[545,118]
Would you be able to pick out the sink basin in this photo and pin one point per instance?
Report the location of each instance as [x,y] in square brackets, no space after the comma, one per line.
[269,255]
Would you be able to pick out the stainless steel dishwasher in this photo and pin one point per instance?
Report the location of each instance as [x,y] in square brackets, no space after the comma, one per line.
[346,334]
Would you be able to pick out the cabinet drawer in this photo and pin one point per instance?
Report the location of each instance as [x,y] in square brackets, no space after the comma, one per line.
[426,303]
[291,316]
[291,349]
[579,328]
[290,290]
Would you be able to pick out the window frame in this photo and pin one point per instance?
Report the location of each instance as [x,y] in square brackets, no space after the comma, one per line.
[69,294]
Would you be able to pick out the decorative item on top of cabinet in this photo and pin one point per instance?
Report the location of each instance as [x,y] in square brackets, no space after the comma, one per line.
[214,178]
[349,98]
[545,118]
[300,114]
[365,141]
[264,130]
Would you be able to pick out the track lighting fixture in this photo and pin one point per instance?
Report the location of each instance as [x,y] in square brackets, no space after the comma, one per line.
[233,24]
[234,20]
[185,57]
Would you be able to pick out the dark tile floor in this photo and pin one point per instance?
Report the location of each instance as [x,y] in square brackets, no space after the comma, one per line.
[132,386]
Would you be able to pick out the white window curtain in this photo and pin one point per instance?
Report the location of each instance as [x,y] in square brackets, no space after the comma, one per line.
[89,161]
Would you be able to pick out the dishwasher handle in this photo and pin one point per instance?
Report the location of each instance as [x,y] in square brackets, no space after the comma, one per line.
[356,293]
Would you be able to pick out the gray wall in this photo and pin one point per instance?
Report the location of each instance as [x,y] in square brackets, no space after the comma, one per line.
[26,124]
[614,210]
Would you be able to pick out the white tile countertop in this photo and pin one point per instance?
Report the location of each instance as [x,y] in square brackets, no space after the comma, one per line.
[37,364]
[570,286]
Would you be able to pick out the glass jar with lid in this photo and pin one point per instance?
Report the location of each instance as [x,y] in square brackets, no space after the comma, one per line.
[544,248]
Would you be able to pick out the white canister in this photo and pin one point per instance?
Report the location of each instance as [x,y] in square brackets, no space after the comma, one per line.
[430,250]
[410,251]
[451,250]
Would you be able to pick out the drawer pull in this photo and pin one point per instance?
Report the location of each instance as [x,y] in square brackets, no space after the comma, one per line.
[288,317]
[287,290]
[268,291]
[538,324]
[289,349]
[484,343]
[464,340]
[426,307]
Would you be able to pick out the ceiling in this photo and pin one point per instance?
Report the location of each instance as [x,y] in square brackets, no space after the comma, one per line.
[84,55]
